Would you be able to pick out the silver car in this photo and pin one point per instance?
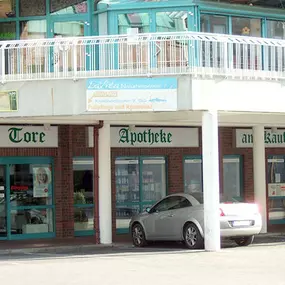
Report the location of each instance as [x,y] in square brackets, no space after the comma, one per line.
[180,217]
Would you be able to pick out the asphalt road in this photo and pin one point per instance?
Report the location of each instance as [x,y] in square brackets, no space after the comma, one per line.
[171,264]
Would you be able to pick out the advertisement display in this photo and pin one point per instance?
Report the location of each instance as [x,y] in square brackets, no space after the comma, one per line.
[151,94]
[42,181]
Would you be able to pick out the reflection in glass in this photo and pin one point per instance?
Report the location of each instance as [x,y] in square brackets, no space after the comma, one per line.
[231,176]
[33,29]
[83,218]
[30,185]
[275,29]
[7,8]
[276,189]
[124,215]
[32,8]
[62,7]
[68,29]
[31,221]
[83,180]
[193,175]
[133,23]
[153,179]
[174,21]
[83,193]
[246,27]
[3,208]
[214,24]
[259,3]
[7,31]
[127,181]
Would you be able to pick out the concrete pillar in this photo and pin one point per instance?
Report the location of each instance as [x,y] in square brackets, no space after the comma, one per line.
[259,173]
[105,192]
[210,152]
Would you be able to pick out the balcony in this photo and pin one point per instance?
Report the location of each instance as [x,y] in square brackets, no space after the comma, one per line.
[166,54]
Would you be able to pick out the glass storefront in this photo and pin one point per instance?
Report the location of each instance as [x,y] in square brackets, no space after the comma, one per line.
[193,177]
[26,198]
[276,189]
[28,19]
[83,196]
[140,182]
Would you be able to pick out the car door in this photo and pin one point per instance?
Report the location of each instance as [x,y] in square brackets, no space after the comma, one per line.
[153,223]
[180,212]
[165,228]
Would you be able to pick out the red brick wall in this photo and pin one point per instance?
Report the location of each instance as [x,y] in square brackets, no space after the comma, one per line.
[73,141]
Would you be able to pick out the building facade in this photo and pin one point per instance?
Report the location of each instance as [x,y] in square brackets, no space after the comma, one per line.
[57,179]
[140,176]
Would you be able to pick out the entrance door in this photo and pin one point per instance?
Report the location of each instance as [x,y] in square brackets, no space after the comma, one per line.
[3,203]
[67,57]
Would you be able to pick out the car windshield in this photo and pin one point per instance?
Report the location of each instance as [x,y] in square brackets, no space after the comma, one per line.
[223,198]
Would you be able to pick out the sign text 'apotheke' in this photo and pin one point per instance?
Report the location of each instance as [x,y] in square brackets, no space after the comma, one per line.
[16,136]
[147,137]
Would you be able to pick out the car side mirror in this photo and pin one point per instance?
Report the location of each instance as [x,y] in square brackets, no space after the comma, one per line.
[147,209]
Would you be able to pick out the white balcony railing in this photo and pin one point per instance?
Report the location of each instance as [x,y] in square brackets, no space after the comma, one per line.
[198,54]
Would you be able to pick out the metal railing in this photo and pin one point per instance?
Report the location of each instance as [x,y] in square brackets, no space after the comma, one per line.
[159,54]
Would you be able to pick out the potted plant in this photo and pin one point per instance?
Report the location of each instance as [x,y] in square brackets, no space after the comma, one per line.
[80,217]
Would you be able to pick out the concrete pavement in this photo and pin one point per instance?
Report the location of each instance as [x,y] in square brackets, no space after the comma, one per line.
[258,264]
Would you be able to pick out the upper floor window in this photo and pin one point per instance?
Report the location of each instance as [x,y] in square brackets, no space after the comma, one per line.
[275,29]
[246,27]
[133,23]
[214,24]
[61,7]
[171,21]
[260,3]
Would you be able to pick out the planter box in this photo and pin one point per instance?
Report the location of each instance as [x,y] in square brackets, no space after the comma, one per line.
[33,229]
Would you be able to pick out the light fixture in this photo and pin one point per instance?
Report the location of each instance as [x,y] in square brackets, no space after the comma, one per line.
[132,128]
[274,130]
[46,127]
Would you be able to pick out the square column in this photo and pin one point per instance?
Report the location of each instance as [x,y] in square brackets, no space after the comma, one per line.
[259,173]
[211,183]
[105,191]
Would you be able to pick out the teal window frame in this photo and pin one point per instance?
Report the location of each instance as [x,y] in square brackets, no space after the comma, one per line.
[50,19]
[234,156]
[142,204]
[277,221]
[8,161]
[86,206]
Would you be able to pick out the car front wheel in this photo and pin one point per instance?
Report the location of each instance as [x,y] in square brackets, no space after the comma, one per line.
[192,237]
[244,241]
[138,236]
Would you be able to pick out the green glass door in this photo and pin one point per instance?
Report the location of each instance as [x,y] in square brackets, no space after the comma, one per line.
[65,56]
[3,203]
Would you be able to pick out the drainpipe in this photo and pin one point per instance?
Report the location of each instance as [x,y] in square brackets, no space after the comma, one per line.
[96,180]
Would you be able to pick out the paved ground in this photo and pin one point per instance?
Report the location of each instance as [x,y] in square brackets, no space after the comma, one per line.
[160,264]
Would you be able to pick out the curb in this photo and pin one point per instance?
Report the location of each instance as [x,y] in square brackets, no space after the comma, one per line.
[56,249]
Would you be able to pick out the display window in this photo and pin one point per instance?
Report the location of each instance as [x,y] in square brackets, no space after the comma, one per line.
[232,176]
[26,198]
[83,169]
[140,182]
[276,189]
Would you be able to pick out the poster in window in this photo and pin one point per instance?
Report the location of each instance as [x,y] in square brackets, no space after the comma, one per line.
[41,181]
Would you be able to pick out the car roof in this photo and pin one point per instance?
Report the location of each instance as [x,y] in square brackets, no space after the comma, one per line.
[179,194]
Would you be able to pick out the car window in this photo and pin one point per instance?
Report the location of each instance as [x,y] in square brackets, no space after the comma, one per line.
[171,203]
[161,206]
[179,202]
